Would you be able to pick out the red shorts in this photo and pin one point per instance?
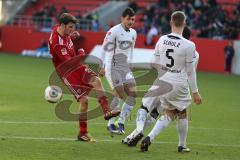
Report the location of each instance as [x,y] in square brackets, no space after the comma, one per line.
[78,81]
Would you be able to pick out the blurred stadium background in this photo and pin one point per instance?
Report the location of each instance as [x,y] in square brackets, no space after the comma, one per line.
[29,128]
[214,23]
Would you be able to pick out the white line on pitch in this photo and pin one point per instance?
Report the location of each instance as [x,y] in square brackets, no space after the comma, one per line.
[34,122]
[109,140]
[98,123]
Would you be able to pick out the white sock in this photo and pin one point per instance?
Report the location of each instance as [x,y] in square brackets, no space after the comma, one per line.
[126,109]
[141,119]
[114,106]
[182,128]
[162,122]
[149,121]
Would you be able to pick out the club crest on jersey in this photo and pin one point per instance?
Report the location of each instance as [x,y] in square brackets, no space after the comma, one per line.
[64,51]
[107,36]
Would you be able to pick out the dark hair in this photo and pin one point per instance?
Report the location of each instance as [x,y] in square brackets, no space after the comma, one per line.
[128,12]
[178,18]
[186,32]
[66,18]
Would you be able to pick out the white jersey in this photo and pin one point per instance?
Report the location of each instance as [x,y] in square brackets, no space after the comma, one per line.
[118,46]
[174,54]
[176,60]
[196,59]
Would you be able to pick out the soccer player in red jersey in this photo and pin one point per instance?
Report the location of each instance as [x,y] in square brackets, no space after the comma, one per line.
[81,80]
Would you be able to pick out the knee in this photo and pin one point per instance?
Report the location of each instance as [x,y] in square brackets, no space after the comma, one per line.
[96,81]
[83,103]
[182,114]
[171,114]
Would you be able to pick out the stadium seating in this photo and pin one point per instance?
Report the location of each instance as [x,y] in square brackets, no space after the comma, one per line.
[82,7]
[73,6]
[229,6]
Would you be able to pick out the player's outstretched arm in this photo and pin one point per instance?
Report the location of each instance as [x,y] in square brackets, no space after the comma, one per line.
[191,72]
[74,35]
[108,47]
[193,83]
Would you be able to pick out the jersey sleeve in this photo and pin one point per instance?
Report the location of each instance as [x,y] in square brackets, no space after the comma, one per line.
[107,46]
[190,53]
[190,68]
[156,51]
[133,45]
[196,59]
[156,56]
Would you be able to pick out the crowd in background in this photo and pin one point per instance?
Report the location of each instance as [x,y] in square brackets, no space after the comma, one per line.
[48,15]
[207,19]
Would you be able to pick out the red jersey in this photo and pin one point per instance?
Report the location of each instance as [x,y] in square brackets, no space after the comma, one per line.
[62,50]
[61,47]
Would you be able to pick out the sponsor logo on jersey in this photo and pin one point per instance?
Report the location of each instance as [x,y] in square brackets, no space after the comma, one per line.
[64,51]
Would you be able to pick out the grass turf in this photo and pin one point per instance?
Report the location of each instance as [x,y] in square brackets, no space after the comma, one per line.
[30,129]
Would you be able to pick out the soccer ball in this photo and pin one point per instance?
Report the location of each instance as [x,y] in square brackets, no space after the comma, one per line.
[53,94]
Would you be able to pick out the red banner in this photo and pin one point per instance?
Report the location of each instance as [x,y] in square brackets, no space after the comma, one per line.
[16,39]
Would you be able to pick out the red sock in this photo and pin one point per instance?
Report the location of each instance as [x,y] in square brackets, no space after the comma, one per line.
[82,124]
[82,127]
[104,104]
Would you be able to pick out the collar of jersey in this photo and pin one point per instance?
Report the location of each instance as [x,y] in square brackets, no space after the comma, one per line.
[175,34]
[127,30]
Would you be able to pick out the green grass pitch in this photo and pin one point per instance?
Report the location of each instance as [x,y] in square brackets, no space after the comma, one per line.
[30,130]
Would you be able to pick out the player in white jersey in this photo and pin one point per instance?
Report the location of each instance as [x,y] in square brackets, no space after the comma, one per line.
[175,56]
[157,109]
[116,53]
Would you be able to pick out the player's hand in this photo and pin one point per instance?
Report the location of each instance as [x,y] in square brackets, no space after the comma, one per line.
[197,98]
[101,72]
[75,34]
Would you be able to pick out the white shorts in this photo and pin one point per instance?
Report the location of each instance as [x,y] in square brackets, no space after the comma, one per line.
[179,98]
[171,95]
[117,77]
[152,98]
